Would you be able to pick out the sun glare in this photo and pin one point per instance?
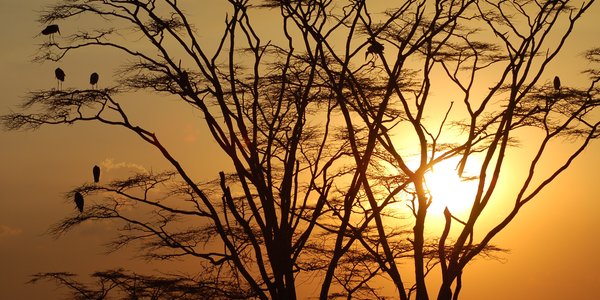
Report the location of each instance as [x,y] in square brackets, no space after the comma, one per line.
[447,189]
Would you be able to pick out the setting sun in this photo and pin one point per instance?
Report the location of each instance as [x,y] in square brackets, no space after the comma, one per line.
[447,189]
[300,149]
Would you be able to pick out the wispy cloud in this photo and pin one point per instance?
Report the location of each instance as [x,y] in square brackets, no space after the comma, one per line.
[110,164]
[6,231]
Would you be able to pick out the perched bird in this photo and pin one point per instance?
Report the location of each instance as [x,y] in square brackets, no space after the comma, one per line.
[60,76]
[96,171]
[556,83]
[94,79]
[375,48]
[50,30]
[79,201]
[184,80]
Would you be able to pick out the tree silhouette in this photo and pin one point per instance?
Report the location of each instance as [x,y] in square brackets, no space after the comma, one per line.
[327,151]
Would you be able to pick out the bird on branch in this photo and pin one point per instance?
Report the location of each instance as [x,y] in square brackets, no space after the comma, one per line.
[556,83]
[50,30]
[60,77]
[184,80]
[96,172]
[375,48]
[94,80]
[79,201]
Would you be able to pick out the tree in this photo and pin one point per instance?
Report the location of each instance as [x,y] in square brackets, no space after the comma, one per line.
[318,181]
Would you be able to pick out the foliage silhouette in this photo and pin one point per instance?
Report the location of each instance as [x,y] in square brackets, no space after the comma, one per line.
[327,152]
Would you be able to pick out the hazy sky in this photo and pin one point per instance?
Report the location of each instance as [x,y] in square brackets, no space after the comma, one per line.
[554,242]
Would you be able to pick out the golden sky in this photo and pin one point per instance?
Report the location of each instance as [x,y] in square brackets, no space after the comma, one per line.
[554,241]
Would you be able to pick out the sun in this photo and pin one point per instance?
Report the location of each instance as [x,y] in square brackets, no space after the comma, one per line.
[448,189]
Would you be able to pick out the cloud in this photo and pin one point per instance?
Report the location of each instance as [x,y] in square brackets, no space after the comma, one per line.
[9,231]
[109,164]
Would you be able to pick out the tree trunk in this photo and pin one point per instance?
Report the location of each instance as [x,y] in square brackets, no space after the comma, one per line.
[418,243]
[445,291]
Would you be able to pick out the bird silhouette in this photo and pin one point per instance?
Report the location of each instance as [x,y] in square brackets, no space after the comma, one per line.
[96,171]
[60,76]
[79,201]
[50,30]
[556,83]
[184,81]
[94,79]
[375,48]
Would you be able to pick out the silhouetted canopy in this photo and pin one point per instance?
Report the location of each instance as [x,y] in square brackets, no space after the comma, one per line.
[51,29]
[60,74]
[79,201]
[556,83]
[94,78]
[96,171]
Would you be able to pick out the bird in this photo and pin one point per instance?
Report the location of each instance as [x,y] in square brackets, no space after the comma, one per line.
[94,79]
[375,48]
[96,171]
[184,80]
[79,201]
[556,83]
[60,76]
[50,30]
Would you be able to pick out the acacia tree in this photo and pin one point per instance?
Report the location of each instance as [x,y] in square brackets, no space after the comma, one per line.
[317,182]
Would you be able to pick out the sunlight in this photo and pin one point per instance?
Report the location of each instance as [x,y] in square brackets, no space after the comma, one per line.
[447,189]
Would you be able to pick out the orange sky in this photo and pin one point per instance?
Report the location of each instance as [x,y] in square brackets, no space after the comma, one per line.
[554,241]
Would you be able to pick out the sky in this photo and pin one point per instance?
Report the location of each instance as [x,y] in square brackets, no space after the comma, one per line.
[553,243]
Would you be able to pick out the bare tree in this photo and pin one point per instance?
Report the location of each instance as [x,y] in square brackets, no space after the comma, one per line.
[317,182]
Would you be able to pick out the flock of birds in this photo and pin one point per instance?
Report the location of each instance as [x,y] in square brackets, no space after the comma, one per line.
[79,197]
[60,75]
[60,78]
[50,30]
[374,48]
